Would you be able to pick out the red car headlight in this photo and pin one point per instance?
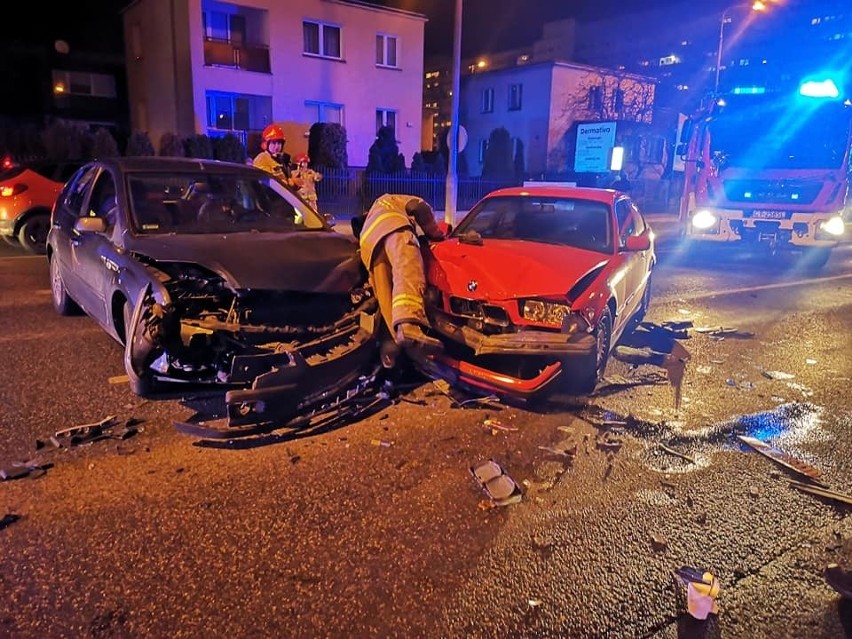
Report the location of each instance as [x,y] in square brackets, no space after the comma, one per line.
[553,314]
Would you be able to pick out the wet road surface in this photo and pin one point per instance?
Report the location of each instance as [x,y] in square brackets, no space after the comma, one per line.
[323,534]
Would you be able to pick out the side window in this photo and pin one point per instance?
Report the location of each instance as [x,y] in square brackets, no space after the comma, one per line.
[103,201]
[629,220]
[75,193]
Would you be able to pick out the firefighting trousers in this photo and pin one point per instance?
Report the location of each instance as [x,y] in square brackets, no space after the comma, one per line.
[398,279]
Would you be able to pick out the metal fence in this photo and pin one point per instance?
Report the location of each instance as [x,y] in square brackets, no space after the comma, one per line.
[347,192]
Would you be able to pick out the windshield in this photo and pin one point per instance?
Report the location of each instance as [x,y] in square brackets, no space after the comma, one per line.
[199,203]
[579,223]
[795,134]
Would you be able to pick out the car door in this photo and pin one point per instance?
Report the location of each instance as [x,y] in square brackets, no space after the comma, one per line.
[94,252]
[635,263]
[64,238]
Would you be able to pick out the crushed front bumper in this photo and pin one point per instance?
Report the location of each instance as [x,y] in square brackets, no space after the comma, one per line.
[555,350]
[307,380]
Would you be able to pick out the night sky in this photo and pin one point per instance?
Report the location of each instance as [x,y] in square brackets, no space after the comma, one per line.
[488,25]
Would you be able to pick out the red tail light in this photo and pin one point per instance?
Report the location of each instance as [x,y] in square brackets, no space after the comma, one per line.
[6,163]
[15,189]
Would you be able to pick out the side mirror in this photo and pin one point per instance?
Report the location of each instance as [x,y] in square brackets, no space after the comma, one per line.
[636,243]
[445,227]
[90,225]
[329,219]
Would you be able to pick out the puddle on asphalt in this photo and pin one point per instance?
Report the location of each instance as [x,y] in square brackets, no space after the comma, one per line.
[788,427]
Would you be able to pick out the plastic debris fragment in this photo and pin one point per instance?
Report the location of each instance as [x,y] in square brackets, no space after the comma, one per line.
[702,588]
[778,375]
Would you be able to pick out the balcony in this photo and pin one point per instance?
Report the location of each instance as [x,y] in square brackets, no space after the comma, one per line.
[221,53]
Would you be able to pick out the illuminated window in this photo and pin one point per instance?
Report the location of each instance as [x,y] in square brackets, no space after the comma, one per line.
[321,39]
[237,111]
[98,85]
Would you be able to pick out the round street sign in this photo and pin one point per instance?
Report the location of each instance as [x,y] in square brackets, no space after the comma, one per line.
[462,138]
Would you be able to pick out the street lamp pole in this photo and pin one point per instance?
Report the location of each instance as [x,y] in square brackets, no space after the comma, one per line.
[719,49]
[453,142]
[757,5]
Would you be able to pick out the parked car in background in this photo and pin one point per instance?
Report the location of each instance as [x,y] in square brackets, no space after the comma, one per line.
[538,283]
[213,273]
[27,193]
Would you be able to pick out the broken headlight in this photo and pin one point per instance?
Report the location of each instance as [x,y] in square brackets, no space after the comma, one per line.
[551,313]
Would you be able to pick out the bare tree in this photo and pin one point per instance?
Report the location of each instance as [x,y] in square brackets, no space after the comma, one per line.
[600,95]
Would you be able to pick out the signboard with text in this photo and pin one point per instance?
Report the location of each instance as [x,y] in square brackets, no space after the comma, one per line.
[594,144]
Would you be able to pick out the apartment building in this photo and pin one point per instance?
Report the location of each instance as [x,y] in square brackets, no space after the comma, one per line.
[205,66]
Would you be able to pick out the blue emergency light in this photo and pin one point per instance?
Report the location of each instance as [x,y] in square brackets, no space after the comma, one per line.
[819,89]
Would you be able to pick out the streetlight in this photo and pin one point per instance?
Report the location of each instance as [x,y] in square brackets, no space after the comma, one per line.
[757,5]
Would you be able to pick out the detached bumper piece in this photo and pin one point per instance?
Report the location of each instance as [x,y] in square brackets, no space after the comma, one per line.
[463,373]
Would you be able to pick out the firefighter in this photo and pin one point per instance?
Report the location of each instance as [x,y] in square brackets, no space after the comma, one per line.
[391,252]
[308,178]
[272,157]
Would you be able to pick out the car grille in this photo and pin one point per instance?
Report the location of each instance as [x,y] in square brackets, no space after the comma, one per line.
[772,191]
[477,310]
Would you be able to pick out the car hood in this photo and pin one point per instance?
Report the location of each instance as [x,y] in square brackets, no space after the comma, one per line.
[319,262]
[505,269]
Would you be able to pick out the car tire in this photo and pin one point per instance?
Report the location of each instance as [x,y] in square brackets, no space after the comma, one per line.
[592,370]
[33,233]
[11,240]
[62,302]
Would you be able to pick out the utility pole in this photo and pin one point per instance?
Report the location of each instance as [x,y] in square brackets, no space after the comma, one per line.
[453,141]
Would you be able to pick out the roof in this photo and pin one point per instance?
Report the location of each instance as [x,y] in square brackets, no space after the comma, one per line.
[547,190]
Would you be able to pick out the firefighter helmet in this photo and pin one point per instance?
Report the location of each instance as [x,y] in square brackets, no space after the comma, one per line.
[270,134]
[302,157]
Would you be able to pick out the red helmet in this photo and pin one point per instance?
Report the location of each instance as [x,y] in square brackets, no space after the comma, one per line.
[302,157]
[270,134]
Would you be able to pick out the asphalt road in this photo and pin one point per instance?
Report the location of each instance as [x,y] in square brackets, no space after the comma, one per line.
[324,534]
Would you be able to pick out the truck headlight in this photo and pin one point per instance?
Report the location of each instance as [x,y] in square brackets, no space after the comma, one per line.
[833,226]
[704,219]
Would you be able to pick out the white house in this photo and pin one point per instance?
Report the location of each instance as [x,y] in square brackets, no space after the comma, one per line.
[204,66]
[540,104]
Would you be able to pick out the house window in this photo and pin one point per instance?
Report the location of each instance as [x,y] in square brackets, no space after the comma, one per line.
[488,101]
[98,85]
[324,112]
[618,100]
[235,112]
[483,149]
[595,98]
[386,50]
[321,39]
[515,95]
[226,27]
[385,117]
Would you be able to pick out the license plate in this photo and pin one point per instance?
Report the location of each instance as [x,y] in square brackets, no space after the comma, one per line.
[769,215]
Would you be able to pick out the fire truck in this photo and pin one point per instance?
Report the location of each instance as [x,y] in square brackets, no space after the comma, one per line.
[769,169]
